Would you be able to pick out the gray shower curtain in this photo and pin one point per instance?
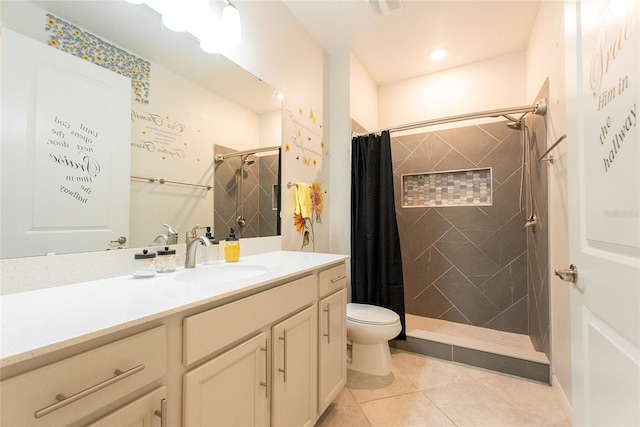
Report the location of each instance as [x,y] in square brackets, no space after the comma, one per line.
[376,261]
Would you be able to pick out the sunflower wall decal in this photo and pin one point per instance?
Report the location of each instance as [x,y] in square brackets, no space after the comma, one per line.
[303,224]
[78,42]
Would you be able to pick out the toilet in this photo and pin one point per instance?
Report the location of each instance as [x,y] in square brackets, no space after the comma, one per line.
[369,329]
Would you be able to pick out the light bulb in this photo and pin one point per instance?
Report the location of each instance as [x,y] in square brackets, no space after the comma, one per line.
[438,54]
[231,25]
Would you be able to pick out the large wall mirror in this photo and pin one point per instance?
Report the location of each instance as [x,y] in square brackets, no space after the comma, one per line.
[188,106]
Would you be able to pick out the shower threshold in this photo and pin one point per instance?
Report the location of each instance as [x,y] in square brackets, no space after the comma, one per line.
[472,345]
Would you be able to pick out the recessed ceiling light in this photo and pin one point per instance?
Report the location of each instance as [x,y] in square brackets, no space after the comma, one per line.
[439,54]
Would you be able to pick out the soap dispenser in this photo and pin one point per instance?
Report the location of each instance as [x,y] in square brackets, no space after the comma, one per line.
[211,252]
[232,247]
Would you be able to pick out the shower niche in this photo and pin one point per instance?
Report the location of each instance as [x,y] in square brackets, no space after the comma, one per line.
[470,187]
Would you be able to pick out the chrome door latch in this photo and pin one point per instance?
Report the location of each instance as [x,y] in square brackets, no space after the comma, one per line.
[570,275]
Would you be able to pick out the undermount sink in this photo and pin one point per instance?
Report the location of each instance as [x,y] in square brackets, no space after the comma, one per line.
[221,272]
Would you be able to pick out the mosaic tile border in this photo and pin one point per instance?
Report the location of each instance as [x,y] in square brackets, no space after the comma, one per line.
[83,44]
[469,187]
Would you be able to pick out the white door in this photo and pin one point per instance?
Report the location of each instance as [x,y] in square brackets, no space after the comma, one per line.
[66,132]
[603,93]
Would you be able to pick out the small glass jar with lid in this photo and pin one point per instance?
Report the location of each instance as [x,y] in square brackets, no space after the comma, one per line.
[166,260]
[144,264]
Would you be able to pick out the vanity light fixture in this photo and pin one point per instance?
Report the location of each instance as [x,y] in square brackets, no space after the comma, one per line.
[198,19]
[439,54]
[231,24]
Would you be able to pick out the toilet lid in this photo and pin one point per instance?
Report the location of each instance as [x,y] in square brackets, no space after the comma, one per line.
[371,314]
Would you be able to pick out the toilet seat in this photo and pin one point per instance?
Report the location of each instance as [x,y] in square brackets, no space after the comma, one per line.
[371,315]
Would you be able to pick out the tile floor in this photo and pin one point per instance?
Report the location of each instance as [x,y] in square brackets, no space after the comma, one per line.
[424,391]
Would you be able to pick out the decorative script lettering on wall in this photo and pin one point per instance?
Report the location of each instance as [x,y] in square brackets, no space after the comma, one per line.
[160,134]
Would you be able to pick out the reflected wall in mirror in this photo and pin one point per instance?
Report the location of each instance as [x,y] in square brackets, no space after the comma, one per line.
[246,192]
[195,100]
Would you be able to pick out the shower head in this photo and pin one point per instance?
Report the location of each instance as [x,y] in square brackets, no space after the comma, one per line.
[246,161]
[517,125]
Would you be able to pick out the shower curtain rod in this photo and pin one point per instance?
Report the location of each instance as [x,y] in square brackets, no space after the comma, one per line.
[223,157]
[539,108]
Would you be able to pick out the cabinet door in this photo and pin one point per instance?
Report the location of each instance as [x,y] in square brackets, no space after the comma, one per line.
[232,389]
[295,370]
[146,411]
[332,370]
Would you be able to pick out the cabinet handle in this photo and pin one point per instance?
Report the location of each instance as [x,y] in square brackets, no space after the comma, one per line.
[328,333]
[162,413]
[265,383]
[284,356]
[337,279]
[63,401]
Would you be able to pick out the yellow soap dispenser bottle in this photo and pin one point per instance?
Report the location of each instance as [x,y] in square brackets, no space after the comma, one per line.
[232,247]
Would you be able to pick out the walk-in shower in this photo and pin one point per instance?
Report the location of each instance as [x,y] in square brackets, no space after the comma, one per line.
[245,195]
[474,266]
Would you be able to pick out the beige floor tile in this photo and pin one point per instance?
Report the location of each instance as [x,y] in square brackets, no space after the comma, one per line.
[426,372]
[338,415]
[345,397]
[370,387]
[407,410]
[538,401]
[472,404]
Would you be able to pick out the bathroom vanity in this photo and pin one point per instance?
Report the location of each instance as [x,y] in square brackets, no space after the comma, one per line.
[259,342]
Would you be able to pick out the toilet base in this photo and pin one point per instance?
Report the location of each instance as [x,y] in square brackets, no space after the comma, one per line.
[372,359]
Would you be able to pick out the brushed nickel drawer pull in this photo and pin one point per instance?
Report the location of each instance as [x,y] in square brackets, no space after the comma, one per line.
[337,279]
[162,413]
[63,401]
[328,333]
[284,356]
[267,350]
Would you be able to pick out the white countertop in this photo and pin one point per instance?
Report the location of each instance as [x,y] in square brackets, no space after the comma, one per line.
[37,322]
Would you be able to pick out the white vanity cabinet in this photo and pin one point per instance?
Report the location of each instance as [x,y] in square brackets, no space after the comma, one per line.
[232,389]
[332,334]
[149,410]
[74,388]
[268,375]
[294,370]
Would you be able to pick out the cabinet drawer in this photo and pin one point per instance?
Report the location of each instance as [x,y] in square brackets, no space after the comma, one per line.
[66,391]
[332,279]
[208,332]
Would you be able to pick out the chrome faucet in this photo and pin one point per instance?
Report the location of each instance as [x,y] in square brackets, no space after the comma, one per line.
[193,241]
[171,238]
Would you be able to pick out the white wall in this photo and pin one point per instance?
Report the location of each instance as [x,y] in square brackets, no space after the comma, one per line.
[545,59]
[486,85]
[363,95]
[276,48]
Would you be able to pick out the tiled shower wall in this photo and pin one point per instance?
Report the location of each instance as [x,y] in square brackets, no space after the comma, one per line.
[538,242]
[469,264]
[254,201]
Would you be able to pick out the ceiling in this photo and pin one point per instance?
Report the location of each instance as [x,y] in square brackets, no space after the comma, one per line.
[396,46]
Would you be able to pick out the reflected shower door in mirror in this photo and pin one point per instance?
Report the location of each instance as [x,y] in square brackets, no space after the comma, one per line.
[183,101]
[247,192]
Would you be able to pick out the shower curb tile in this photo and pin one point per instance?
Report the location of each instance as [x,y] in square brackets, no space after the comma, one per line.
[425,347]
[508,365]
